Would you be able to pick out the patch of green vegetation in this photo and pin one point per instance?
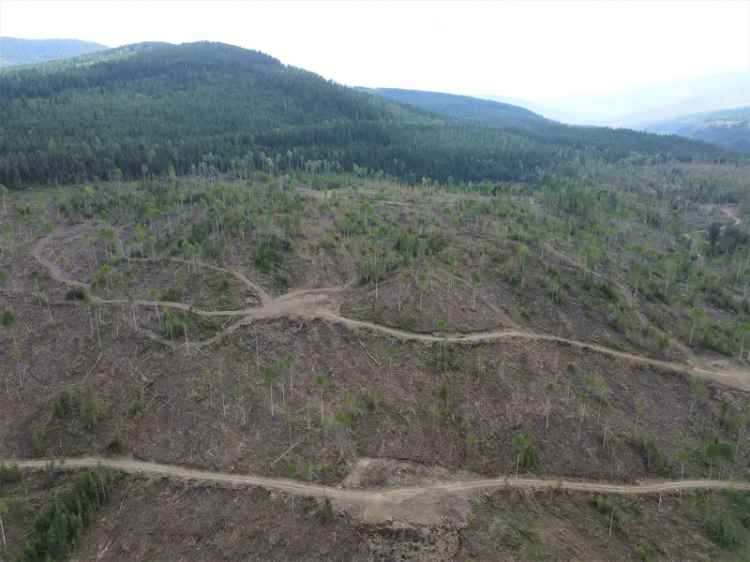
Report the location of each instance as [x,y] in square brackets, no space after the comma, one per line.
[617,510]
[136,408]
[655,461]
[76,294]
[645,552]
[83,407]
[524,539]
[355,404]
[523,448]
[179,324]
[445,357]
[726,518]
[7,318]
[712,454]
[55,532]
[10,473]
[270,254]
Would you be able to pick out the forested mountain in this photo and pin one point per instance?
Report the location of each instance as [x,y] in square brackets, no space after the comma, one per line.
[513,118]
[729,128]
[464,107]
[157,109]
[15,51]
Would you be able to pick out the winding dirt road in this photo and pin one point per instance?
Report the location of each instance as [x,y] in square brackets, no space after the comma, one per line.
[321,304]
[395,494]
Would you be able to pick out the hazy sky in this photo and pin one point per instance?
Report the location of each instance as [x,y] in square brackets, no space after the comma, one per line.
[521,49]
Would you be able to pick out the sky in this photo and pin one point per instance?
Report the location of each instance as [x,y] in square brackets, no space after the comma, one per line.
[531,50]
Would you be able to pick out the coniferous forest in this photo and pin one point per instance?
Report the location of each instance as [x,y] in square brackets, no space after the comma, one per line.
[153,110]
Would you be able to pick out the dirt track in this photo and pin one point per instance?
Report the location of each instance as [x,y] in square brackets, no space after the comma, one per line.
[396,494]
[731,212]
[322,304]
[441,503]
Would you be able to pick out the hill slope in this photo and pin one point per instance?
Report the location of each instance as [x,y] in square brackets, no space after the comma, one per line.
[729,128]
[15,51]
[464,107]
[156,109]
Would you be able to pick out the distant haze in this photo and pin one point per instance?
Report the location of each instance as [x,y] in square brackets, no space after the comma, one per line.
[639,107]
[533,51]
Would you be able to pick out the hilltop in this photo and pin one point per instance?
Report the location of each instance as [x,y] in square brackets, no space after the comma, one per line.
[15,51]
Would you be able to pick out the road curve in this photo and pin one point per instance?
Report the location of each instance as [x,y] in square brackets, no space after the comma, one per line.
[319,304]
[364,496]
[730,379]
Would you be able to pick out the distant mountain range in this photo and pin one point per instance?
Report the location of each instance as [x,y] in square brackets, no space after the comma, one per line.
[729,128]
[31,51]
[638,107]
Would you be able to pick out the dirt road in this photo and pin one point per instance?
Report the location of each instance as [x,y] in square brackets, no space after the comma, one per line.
[323,304]
[397,494]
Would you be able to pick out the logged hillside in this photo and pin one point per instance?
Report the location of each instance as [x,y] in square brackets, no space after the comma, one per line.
[367,366]
[158,109]
[729,128]
[31,51]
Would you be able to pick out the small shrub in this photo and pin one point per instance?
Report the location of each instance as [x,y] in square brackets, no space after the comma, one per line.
[325,513]
[654,460]
[270,254]
[445,357]
[172,294]
[7,318]
[67,405]
[716,451]
[407,319]
[115,447]
[72,405]
[136,408]
[617,511]
[76,294]
[523,447]
[93,410]
[9,473]
[645,552]
[38,438]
